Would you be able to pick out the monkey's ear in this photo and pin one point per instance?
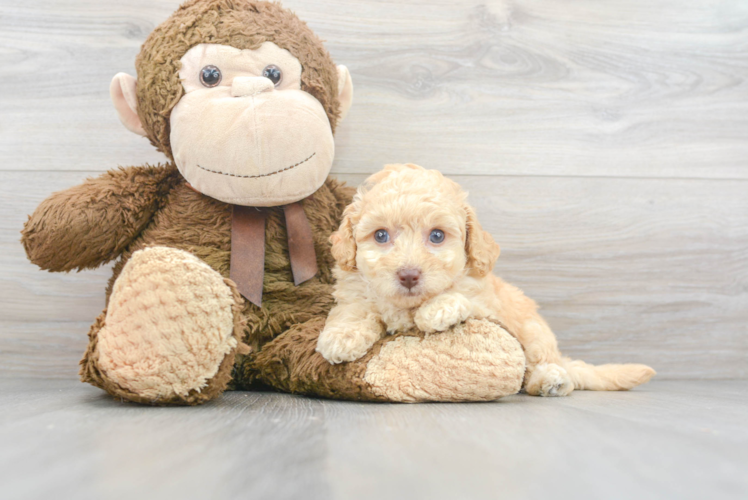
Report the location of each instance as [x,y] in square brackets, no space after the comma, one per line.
[122,90]
[345,90]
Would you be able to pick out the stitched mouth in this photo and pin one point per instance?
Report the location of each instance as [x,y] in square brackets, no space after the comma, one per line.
[261,175]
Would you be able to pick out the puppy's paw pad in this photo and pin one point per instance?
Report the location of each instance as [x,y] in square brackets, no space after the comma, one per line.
[549,380]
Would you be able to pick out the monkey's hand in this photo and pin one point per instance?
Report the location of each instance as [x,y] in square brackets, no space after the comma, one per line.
[442,312]
[92,223]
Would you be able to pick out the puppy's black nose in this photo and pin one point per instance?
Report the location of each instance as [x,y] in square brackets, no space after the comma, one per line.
[409,277]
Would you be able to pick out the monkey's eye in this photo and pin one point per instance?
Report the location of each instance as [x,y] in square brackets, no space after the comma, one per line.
[210,76]
[436,236]
[273,73]
[381,236]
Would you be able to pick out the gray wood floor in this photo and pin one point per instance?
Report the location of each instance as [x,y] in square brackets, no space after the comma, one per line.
[677,439]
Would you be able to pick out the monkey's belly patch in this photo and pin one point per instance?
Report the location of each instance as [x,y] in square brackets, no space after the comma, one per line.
[261,175]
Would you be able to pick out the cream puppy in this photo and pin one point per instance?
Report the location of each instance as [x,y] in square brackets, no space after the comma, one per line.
[410,252]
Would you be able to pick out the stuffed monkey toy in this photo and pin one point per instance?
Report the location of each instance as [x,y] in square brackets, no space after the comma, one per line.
[223,265]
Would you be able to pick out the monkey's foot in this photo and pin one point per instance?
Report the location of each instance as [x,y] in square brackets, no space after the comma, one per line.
[169,333]
[550,380]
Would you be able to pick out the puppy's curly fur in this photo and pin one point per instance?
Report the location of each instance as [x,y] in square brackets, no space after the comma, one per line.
[411,252]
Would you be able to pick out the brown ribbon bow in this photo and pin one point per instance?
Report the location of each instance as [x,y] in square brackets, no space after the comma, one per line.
[248,248]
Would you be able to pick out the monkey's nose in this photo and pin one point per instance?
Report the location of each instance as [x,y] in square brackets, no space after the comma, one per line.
[243,86]
[409,277]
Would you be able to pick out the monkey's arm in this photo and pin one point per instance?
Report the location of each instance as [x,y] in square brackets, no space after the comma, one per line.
[92,223]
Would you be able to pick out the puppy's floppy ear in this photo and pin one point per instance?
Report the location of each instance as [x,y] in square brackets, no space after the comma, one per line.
[343,241]
[480,247]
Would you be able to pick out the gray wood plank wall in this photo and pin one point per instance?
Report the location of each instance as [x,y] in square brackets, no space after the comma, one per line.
[604,143]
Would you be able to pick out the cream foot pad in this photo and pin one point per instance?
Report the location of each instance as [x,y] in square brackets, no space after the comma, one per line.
[474,361]
[169,324]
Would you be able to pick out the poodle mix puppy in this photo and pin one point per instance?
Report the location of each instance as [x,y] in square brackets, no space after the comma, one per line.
[411,253]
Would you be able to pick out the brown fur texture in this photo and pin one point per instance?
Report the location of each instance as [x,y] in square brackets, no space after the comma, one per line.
[240,24]
[85,213]
[184,219]
[125,210]
[130,209]
[291,364]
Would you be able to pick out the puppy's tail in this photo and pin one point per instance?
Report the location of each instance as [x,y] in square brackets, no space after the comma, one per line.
[608,377]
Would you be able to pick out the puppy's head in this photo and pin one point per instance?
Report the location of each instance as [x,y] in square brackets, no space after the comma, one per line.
[411,234]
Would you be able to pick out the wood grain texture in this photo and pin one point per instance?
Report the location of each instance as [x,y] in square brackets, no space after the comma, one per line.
[617,88]
[27,293]
[646,270]
[43,350]
[604,144]
[684,439]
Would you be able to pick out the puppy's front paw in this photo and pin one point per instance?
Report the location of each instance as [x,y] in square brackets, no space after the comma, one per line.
[442,312]
[549,380]
[338,344]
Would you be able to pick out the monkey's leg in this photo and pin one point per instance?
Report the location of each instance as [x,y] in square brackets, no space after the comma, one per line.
[473,361]
[169,334]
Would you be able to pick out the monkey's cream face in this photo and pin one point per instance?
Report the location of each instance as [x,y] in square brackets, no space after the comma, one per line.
[244,132]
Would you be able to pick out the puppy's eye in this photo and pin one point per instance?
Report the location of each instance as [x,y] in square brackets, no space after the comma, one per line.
[210,76]
[273,73]
[381,236]
[436,236]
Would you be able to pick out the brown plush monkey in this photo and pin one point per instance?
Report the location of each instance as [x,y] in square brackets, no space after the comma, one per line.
[243,99]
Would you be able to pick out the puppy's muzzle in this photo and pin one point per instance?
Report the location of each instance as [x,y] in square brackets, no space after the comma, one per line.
[409,277]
